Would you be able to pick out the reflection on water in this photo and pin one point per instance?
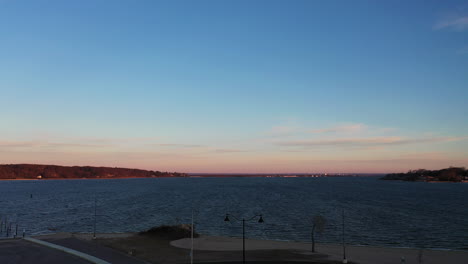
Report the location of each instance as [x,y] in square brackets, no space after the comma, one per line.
[377,212]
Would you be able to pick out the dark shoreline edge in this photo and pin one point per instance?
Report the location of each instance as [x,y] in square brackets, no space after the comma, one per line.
[452,174]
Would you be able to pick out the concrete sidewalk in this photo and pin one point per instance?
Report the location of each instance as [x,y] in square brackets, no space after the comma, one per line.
[18,251]
[87,257]
[58,249]
[92,248]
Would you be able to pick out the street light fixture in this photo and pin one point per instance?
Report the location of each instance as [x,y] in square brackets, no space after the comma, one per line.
[243,220]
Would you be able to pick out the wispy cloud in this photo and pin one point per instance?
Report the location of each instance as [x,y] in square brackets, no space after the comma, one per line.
[18,144]
[463,50]
[45,144]
[180,145]
[283,130]
[69,143]
[347,128]
[229,150]
[72,145]
[374,141]
[457,23]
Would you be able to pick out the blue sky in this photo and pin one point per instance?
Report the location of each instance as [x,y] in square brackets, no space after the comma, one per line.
[235,86]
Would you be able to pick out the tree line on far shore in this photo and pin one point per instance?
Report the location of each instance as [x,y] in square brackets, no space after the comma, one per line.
[452,174]
[34,171]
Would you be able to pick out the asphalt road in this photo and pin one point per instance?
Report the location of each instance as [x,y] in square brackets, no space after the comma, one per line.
[18,251]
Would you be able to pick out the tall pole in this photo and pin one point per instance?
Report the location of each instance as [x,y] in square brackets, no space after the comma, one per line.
[344,246]
[191,250]
[94,231]
[312,237]
[243,240]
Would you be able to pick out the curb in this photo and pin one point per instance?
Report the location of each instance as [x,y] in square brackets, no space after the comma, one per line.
[70,251]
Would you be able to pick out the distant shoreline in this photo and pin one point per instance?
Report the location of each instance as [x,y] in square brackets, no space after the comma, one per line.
[42,172]
[116,178]
[55,172]
[188,176]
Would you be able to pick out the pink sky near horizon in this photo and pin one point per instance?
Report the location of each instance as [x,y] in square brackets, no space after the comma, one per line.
[239,162]
[339,148]
[273,166]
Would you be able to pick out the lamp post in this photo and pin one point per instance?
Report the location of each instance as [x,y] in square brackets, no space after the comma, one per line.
[243,220]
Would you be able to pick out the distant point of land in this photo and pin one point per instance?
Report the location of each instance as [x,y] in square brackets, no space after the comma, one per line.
[452,174]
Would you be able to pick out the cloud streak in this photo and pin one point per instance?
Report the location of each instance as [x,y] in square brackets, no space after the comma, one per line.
[18,144]
[349,128]
[459,23]
[229,150]
[180,145]
[86,143]
[463,50]
[374,141]
[44,144]
[283,130]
